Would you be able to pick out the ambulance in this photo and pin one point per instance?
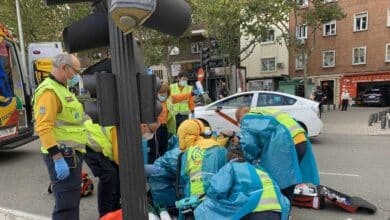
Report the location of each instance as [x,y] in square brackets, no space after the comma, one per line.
[16,121]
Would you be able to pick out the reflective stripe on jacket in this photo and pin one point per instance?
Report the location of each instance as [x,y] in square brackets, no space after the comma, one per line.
[269,200]
[195,156]
[69,126]
[99,139]
[182,107]
[282,117]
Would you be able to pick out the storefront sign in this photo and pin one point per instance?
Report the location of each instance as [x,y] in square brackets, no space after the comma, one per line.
[350,82]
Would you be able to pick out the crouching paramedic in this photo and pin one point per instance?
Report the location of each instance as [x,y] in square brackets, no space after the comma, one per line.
[203,157]
[59,124]
[241,191]
[101,160]
[273,140]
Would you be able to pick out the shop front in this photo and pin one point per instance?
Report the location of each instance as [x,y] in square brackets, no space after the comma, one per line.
[358,85]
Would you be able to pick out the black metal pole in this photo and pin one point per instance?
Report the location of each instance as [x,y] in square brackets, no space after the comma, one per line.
[131,169]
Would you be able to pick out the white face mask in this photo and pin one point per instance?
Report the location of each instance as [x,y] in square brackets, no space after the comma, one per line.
[148,136]
[183,82]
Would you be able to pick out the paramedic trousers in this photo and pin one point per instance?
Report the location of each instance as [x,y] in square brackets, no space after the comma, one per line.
[301,150]
[180,118]
[108,187]
[67,191]
[266,215]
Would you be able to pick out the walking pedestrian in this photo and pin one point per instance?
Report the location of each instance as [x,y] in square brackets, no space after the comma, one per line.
[345,100]
[319,96]
[223,92]
[59,118]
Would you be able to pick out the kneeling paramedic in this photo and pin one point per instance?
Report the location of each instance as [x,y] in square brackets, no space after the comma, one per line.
[241,191]
[202,157]
[100,159]
[276,142]
[59,123]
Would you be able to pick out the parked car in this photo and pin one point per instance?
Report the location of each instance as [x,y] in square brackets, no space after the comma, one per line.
[375,97]
[221,114]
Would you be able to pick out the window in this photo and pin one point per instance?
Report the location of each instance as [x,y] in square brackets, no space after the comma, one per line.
[266,99]
[234,102]
[269,37]
[301,31]
[330,28]
[196,47]
[173,50]
[361,22]
[302,3]
[328,58]
[388,17]
[299,62]
[359,55]
[268,64]
[387,58]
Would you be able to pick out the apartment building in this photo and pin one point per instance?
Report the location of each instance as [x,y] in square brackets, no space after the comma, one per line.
[267,64]
[353,53]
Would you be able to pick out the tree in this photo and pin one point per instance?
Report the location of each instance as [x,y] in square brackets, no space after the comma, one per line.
[40,22]
[157,46]
[305,21]
[227,22]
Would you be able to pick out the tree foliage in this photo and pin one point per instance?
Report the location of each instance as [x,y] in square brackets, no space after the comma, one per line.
[40,22]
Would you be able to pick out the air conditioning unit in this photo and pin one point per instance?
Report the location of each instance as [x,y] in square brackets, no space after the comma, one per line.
[301,41]
[280,65]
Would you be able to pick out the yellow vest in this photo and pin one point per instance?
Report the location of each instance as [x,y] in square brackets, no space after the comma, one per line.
[171,120]
[269,200]
[182,107]
[194,162]
[69,126]
[99,138]
[283,118]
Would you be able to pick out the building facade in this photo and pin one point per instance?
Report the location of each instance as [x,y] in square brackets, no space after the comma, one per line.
[353,53]
[268,62]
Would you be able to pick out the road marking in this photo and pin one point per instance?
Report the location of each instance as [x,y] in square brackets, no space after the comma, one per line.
[10,214]
[339,174]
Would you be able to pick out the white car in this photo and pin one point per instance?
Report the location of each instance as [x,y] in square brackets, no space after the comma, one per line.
[221,114]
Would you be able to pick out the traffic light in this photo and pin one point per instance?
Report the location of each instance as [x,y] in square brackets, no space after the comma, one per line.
[168,16]
[149,110]
[205,56]
[99,81]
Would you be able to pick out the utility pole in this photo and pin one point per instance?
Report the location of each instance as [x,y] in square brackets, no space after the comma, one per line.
[20,31]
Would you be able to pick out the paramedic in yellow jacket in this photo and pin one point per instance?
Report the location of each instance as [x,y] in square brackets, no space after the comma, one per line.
[59,123]
[100,159]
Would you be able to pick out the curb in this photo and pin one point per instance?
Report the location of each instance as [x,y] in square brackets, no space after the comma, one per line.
[10,214]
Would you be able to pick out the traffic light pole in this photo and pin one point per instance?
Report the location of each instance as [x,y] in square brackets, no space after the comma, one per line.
[131,168]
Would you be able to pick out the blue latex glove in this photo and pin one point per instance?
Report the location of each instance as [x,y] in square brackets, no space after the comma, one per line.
[62,169]
[196,92]
[150,169]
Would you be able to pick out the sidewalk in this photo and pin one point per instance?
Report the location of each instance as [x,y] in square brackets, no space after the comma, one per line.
[352,122]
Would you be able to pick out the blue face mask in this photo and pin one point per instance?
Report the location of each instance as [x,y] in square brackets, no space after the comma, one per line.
[74,80]
[162,98]
[183,82]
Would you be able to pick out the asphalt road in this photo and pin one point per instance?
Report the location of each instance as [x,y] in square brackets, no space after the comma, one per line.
[353,164]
